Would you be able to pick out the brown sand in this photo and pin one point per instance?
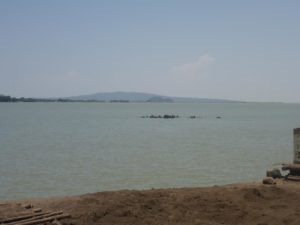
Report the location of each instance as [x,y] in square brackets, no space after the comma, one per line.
[251,203]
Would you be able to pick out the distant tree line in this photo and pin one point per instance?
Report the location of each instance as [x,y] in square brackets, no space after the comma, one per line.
[120,101]
[7,98]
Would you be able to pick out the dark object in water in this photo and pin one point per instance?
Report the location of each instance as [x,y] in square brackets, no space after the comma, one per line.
[155,116]
[275,173]
[218,117]
[166,116]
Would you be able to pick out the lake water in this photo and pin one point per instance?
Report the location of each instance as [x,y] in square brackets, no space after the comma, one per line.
[50,149]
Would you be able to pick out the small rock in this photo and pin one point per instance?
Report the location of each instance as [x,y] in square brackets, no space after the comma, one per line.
[37,210]
[27,206]
[268,180]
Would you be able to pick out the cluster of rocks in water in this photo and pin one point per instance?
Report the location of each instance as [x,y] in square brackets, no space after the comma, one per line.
[172,116]
[166,116]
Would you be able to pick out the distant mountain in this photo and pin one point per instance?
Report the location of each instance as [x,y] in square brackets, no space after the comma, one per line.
[159,99]
[116,96]
[142,97]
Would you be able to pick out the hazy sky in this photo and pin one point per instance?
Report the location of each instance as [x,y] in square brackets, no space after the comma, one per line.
[240,50]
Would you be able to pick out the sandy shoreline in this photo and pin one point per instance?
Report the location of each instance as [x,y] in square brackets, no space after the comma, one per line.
[248,203]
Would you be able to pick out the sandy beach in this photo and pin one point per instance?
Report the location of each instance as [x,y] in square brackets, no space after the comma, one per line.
[248,203]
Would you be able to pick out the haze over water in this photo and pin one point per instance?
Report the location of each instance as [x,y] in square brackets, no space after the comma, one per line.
[50,149]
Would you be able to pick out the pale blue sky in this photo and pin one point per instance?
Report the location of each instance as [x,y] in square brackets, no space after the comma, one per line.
[240,50]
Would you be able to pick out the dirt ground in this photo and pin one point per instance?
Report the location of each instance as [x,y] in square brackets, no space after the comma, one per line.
[251,204]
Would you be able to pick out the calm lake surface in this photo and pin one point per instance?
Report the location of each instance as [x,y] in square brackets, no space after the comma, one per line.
[50,149]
